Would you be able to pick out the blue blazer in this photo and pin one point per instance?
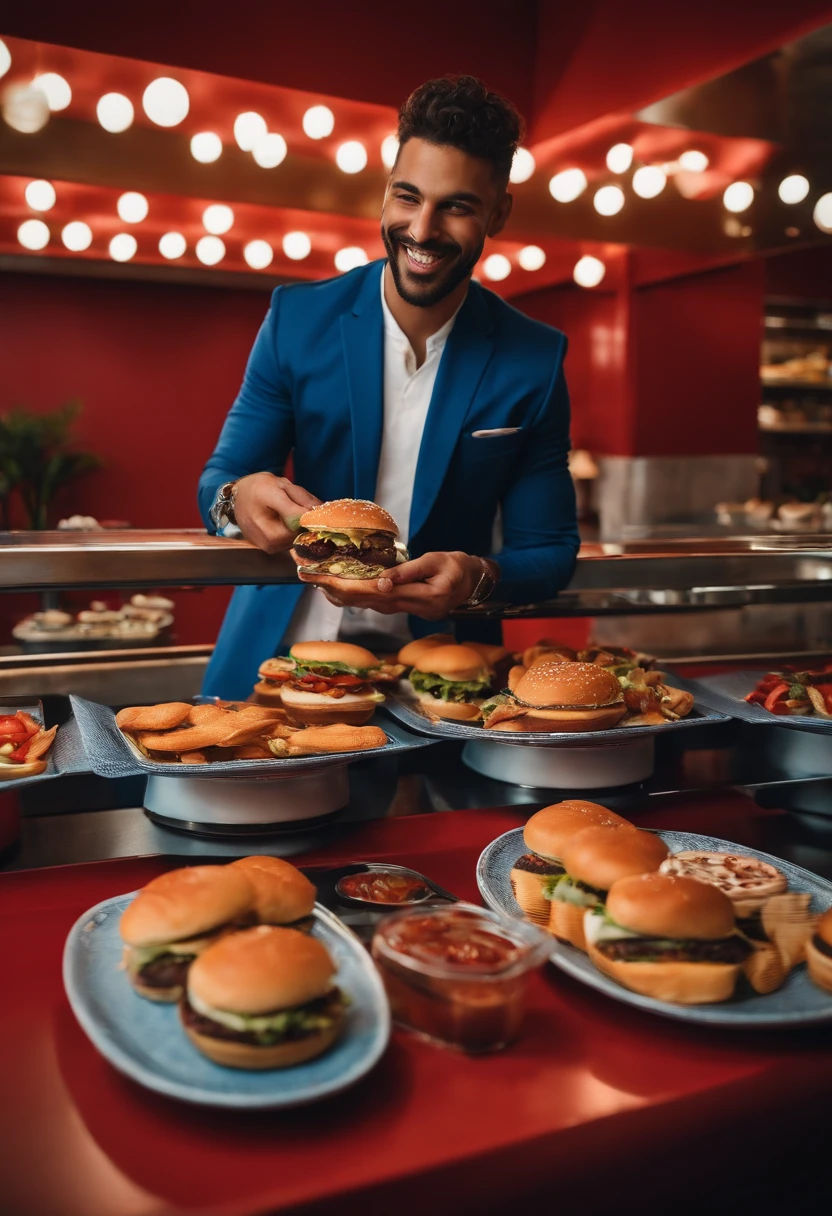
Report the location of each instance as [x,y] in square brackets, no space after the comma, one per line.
[314,386]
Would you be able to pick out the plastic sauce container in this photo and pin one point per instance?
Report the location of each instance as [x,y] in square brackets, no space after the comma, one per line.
[458,975]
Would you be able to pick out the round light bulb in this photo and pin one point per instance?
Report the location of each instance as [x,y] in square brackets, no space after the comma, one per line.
[531,257]
[210,250]
[649,181]
[693,161]
[389,151]
[248,128]
[522,166]
[270,150]
[496,267]
[132,207]
[351,157]
[57,90]
[115,112]
[738,196]
[165,101]
[822,214]
[608,200]
[568,185]
[172,245]
[318,122]
[33,234]
[77,236]
[589,271]
[206,147]
[123,247]
[217,219]
[25,108]
[350,257]
[40,195]
[5,58]
[297,246]
[794,188]
[258,254]
[619,158]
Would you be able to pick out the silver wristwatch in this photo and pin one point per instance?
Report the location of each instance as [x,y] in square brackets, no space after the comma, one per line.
[222,510]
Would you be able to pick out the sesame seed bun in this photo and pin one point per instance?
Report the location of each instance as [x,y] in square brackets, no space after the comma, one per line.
[349,513]
[334,652]
[548,832]
[186,903]
[454,663]
[261,970]
[662,905]
[568,685]
[601,855]
[413,651]
[281,893]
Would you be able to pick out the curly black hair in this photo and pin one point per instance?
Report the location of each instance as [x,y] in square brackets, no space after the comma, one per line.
[460,112]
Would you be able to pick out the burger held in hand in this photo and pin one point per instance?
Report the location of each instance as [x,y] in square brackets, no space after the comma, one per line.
[450,682]
[323,682]
[546,836]
[671,938]
[552,697]
[347,539]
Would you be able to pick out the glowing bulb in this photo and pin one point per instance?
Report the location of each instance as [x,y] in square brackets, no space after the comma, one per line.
[619,158]
[349,258]
[5,58]
[40,195]
[57,90]
[217,218]
[165,101]
[649,181]
[33,234]
[25,108]
[210,250]
[269,150]
[248,128]
[297,246]
[258,254]
[132,207]
[123,247]
[738,196]
[389,151]
[822,214]
[531,257]
[794,188]
[568,185]
[206,147]
[496,267]
[172,245]
[351,157]
[608,200]
[318,122]
[115,112]
[693,161]
[523,166]
[77,236]
[589,271]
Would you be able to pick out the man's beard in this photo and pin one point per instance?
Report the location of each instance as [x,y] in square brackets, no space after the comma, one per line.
[430,293]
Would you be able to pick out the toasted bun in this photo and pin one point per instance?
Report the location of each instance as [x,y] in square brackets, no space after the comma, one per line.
[315,709]
[601,855]
[454,711]
[233,1054]
[548,832]
[413,651]
[492,655]
[186,903]
[350,513]
[662,905]
[336,737]
[678,983]
[566,922]
[261,970]
[30,768]
[562,685]
[334,652]
[267,694]
[453,663]
[528,891]
[281,893]
[564,721]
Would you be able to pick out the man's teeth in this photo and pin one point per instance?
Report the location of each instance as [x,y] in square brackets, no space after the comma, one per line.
[424,259]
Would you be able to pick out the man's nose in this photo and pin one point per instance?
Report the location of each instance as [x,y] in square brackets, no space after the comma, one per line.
[424,225]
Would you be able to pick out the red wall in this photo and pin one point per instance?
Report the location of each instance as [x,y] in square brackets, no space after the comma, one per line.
[805,274]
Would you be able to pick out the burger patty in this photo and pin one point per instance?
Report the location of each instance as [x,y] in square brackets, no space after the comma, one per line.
[329,1005]
[821,945]
[659,950]
[166,971]
[532,864]
[377,549]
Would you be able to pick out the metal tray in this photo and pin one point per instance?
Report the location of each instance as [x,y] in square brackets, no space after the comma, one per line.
[726,692]
[65,756]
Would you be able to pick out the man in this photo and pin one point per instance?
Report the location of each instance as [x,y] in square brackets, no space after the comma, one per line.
[405,383]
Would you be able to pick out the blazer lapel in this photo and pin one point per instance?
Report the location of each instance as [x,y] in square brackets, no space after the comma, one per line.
[362,334]
[464,360]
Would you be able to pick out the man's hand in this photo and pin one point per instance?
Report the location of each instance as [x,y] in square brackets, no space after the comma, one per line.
[265,506]
[430,586]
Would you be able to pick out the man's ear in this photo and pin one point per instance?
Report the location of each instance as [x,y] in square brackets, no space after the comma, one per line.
[500,214]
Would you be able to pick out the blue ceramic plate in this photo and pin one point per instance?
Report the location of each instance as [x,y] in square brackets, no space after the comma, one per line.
[145,1041]
[798,1003]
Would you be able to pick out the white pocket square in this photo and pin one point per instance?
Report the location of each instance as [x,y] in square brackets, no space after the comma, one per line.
[500,430]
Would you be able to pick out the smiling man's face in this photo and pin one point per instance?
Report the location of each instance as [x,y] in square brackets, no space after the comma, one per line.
[439,207]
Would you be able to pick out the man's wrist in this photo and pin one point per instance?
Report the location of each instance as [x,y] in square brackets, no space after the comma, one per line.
[485,585]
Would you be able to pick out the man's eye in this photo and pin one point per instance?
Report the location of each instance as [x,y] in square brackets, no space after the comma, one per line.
[407,198]
[458,208]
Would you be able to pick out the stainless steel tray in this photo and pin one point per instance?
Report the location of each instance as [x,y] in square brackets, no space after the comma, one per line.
[726,693]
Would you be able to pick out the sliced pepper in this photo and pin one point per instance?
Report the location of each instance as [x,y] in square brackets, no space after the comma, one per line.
[779,692]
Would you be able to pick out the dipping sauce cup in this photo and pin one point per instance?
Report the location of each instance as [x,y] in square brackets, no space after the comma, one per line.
[458,975]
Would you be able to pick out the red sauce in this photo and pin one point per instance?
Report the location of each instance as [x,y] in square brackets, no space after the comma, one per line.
[457,939]
[383,888]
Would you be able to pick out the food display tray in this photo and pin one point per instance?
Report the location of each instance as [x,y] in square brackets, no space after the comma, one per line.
[798,1003]
[112,755]
[66,755]
[727,692]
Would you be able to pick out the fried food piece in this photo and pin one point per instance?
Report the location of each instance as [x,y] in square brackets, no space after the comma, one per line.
[337,737]
[154,717]
[652,717]
[193,758]
[252,751]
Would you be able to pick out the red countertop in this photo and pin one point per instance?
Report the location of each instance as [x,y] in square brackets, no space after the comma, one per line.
[593,1100]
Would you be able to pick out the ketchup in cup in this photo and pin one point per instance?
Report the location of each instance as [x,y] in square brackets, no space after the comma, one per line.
[458,975]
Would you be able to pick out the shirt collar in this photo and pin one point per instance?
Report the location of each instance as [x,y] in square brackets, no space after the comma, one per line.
[393,330]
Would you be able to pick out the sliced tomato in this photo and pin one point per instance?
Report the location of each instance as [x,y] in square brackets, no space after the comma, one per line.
[20,753]
[780,692]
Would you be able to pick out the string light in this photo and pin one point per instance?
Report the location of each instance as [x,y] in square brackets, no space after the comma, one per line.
[350,257]
[389,151]
[693,161]
[608,200]
[210,250]
[56,89]
[33,235]
[589,271]
[794,188]
[115,112]
[217,219]
[206,147]
[132,207]
[567,185]
[172,245]
[649,181]
[270,150]
[318,122]
[248,129]
[165,101]
[522,166]
[77,236]
[496,267]
[619,158]
[351,157]
[297,246]
[822,214]
[531,257]
[258,254]
[40,195]
[123,247]
[25,108]
[738,196]
[5,58]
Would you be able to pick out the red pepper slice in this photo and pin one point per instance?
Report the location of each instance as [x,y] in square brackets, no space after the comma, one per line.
[779,693]
[20,753]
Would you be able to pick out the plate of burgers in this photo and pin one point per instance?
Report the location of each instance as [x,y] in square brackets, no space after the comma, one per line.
[322,682]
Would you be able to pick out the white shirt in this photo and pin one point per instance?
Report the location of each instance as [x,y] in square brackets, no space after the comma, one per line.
[407,393]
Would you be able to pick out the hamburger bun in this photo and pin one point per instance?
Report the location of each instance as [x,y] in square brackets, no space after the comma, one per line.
[677,983]
[566,923]
[349,513]
[455,711]
[186,903]
[337,737]
[413,651]
[549,831]
[232,1054]
[568,697]
[317,709]
[454,663]
[281,893]
[267,694]
[819,962]
[601,855]
[548,650]
[333,652]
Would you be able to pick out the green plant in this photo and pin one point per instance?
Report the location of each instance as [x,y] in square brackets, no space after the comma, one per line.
[37,460]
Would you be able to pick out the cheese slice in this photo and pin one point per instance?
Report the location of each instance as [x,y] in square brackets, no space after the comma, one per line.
[599,929]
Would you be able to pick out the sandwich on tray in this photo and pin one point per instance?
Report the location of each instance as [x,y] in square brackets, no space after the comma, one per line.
[553,697]
[450,682]
[320,682]
[347,539]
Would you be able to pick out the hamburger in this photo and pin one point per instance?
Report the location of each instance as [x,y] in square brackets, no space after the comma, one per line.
[450,682]
[410,654]
[667,937]
[498,660]
[282,895]
[819,952]
[593,860]
[546,836]
[348,538]
[177,916]
[263,998]
[320,682]
[552,696]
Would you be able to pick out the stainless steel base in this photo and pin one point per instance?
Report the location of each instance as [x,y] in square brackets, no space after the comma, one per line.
[566,768]
[800,753]
[234,803]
